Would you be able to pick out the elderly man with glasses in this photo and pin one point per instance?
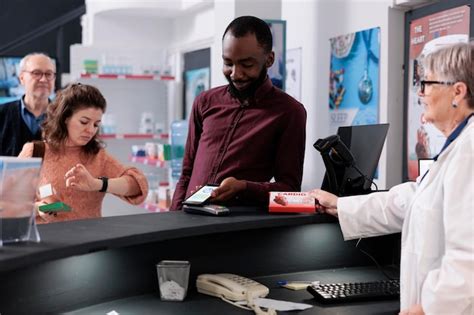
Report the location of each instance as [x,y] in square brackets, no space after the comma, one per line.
[20,121]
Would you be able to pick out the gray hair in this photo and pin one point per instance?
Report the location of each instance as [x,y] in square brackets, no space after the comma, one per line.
[454,63]
[24,60]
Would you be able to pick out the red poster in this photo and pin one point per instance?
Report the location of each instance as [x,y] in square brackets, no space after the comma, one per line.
[426,35]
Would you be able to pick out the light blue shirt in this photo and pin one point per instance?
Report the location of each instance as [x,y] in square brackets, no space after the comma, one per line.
[30,120]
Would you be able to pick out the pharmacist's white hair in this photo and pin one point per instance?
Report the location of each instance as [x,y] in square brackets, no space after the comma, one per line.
[454,63]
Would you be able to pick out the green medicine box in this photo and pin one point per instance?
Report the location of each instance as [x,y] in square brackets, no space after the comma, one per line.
[54,207]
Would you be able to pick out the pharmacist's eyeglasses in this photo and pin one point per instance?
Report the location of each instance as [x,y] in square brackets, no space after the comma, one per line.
[37,74]
[424,83]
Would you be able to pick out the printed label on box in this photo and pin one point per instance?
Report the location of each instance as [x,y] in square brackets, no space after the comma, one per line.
[288,201]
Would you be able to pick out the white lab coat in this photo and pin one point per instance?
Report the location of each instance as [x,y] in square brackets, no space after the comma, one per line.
[436,218]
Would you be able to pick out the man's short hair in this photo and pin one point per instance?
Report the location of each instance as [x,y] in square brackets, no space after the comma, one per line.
[244,25]
[24,60]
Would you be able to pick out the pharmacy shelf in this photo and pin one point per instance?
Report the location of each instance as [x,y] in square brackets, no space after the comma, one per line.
[134,136]
[149,161]
[127,76]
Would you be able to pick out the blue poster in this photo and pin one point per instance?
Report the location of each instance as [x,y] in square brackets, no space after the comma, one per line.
[196,81]
[277,71]
[354,79]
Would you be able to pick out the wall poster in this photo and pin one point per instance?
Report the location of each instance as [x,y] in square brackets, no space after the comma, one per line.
[426,35]
[293,73]
[354,79]
[277,71]
[197,81]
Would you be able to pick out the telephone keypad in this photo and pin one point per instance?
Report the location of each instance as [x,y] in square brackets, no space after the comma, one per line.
[243,281]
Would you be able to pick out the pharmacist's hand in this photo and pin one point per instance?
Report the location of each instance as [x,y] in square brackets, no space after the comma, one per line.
[228,188]
[79,178]
[325,202]
[414,310]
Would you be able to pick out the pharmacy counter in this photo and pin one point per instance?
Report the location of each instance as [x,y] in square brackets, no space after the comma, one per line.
[80,264]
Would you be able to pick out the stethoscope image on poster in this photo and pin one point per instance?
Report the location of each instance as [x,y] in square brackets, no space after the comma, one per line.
[354,79]
[365,85]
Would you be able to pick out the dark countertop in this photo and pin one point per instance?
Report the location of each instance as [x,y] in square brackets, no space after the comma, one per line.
[85,263]
[60,240]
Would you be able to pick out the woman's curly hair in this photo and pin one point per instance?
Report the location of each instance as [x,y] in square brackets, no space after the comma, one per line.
[69,100]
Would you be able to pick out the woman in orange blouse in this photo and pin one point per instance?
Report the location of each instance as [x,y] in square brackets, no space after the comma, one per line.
[75,162]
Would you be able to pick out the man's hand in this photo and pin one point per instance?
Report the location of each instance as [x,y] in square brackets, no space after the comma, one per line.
[228,189]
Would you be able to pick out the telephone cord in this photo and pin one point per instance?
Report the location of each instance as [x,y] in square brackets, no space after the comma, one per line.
[251,306]
[236,304]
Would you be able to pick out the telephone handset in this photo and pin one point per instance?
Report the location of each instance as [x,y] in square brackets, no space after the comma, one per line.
[230,286]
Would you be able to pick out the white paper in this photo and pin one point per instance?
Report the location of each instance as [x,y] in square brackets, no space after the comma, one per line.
[281,305]
[45,191]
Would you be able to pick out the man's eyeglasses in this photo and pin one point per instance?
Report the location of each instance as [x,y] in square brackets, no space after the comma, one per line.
[424,83]
[36,74]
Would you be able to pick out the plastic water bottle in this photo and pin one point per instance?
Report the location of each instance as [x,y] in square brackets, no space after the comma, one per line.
[179,133]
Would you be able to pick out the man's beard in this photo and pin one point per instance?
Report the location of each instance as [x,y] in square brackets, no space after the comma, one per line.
[250,90]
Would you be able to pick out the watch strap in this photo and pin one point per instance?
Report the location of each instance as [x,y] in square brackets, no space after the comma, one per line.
[105,183]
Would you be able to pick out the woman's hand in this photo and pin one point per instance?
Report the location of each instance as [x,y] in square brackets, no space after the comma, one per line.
[44,215]
[79,178]
[325,202]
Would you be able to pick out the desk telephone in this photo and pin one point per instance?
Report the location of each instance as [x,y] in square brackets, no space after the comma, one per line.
[230,286]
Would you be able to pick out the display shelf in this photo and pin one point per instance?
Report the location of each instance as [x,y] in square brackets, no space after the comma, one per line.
[134,136]
[127,76]
[152,207]
[149,161]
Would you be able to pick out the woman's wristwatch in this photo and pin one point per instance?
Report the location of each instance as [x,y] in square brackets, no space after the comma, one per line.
[105,183]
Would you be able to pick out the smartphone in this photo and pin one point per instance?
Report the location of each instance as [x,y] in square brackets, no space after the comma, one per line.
[201,196]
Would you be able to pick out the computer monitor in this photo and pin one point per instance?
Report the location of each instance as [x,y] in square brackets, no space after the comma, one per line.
[365,142]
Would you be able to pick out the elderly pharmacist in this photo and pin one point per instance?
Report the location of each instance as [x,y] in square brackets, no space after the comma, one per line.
[435,214]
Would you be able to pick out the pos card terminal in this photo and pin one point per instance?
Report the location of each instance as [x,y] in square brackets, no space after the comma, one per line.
[208,209]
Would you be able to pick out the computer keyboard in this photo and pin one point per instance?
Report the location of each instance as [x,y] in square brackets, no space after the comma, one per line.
[355,291]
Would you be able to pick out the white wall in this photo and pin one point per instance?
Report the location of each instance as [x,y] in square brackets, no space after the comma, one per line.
[310,25]
[131,31]
[193,29]
[303,31]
